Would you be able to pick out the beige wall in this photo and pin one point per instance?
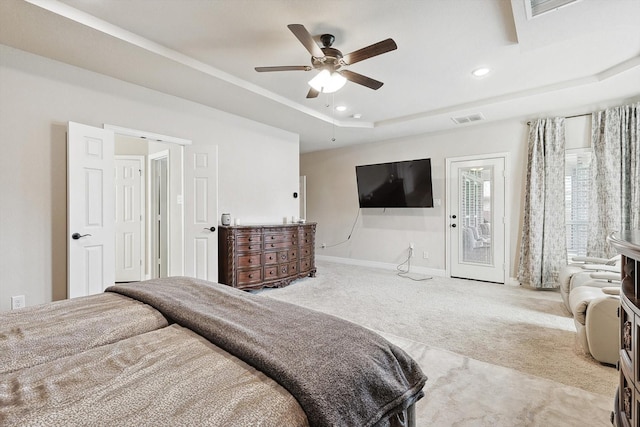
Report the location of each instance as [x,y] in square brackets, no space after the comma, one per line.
[383,236]
[39,96]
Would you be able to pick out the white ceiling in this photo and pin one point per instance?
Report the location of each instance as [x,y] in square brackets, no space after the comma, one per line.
[573,60]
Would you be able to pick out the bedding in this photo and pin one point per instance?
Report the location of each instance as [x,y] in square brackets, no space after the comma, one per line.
[206,355]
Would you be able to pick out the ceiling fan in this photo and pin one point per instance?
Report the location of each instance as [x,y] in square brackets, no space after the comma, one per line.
[331,62]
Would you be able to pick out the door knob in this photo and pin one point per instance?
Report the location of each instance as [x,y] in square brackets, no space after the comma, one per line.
[212,229]
[76,236]
[453,225]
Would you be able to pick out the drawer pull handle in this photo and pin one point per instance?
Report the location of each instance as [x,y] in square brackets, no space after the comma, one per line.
[251,276]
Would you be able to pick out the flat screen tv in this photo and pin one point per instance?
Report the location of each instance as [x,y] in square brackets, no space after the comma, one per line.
[404,184]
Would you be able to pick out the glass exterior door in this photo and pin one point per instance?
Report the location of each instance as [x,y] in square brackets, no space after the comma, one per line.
[476,219]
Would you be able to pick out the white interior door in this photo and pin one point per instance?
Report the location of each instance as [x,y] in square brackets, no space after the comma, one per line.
[201,212]
[90,189]
[129,218]
[476,219]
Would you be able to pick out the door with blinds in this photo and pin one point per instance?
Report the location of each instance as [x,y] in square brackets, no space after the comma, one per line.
[476,218]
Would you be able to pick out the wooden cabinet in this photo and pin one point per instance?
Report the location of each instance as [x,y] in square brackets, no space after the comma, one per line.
[628,403]
[256,256]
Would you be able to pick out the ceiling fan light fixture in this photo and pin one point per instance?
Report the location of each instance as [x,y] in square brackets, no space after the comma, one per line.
[327,82]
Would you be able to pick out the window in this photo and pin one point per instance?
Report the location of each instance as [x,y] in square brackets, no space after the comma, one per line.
[577,190]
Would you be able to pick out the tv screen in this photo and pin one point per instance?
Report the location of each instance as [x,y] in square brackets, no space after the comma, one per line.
[395,185]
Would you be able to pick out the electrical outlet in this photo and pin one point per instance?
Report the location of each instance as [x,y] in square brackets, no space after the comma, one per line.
[17,302]
[425,255]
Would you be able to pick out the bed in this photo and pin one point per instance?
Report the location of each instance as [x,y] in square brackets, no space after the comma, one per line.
[183,351]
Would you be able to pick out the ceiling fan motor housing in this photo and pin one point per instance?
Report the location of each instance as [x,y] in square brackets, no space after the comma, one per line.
[330,60]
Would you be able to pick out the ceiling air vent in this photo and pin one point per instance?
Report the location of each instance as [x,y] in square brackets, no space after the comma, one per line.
[538,7]
[475,117]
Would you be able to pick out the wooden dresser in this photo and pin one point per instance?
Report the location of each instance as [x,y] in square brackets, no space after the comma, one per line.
[257,256]
[628,403]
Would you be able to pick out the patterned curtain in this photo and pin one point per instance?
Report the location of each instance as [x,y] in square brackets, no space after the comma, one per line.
[615,200]
[544,245]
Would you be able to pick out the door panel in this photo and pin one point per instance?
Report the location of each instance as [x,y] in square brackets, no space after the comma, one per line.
[129,224]
[201,212]
[90,188]
[477,219]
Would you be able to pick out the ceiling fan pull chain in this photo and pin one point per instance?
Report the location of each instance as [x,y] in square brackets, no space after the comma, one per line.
[333,118]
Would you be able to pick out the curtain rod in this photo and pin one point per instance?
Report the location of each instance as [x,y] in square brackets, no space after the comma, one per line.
[570,117]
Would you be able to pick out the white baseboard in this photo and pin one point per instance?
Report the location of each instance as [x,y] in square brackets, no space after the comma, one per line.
[381,265]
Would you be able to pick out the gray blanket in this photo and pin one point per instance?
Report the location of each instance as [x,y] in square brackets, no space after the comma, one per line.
[340,373]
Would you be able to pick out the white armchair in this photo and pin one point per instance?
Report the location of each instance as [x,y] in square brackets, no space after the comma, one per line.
[590,289]
[596,321]
[579,272]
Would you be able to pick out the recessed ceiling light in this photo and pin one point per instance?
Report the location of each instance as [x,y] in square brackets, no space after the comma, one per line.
[357,116]
[341,108]
[481,72]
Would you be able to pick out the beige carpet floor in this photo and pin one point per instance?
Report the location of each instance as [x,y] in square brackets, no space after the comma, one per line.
[496,355]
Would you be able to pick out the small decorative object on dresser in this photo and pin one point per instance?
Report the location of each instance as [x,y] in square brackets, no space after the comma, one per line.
[257,256]
[627,243]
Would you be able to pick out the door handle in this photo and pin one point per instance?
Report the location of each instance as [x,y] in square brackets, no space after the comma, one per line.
[453,225]
[76,236]
[211,229]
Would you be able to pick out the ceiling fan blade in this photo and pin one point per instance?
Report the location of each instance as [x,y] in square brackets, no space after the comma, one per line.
[361,80]
[370,51]
[283,68]
[306,39]
[313,93]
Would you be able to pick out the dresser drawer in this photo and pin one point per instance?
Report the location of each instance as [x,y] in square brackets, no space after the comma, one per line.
[249,276]
[251,260]
[249,238]
[305,251]
[271,272]
[250,247]
[293,268]
[305,264]
[280,237]
[305,239]
[276,245]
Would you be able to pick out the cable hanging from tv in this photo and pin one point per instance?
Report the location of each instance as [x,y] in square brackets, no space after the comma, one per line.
[348,237]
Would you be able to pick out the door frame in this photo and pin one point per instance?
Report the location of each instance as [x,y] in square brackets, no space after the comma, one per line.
[507,209]
[156,137]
